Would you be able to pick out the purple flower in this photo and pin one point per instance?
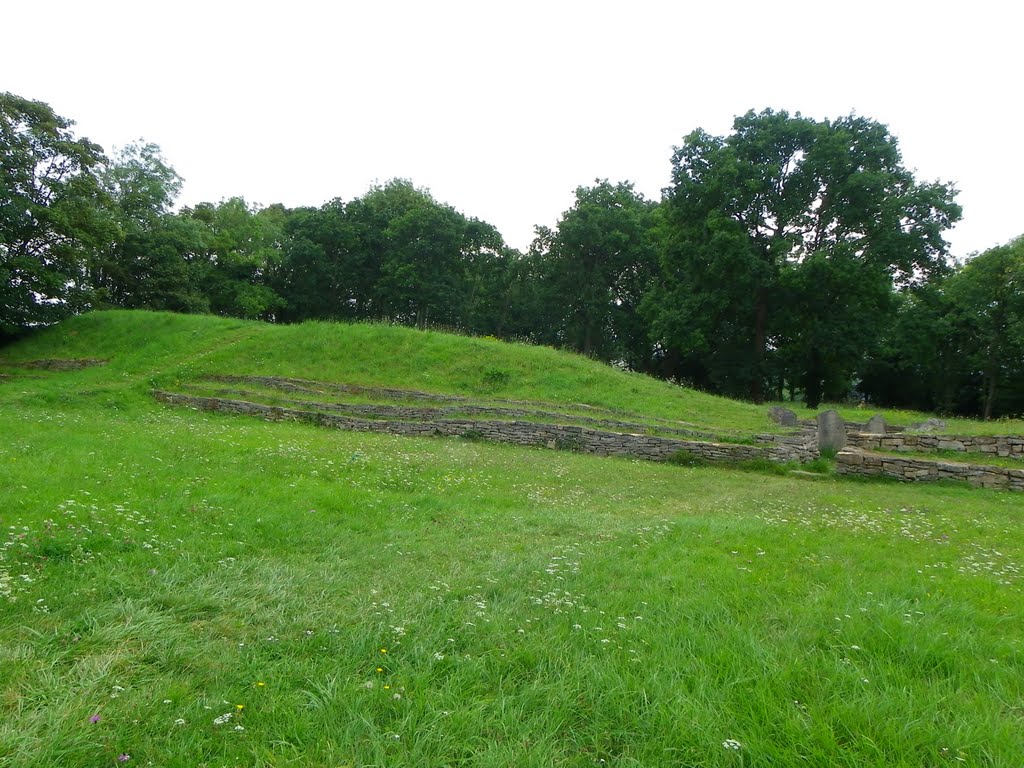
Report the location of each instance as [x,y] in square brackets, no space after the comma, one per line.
[94,719]
[124,757]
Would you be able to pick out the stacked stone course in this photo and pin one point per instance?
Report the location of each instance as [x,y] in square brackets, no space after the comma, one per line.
[583,439]
[1007,446]
[428,413]
[858,462]
[613,438]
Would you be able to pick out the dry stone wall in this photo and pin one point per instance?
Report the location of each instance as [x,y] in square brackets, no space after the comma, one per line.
[856,462]
[60,364]
[1011,446]
[583,439]
[804,441]
[307,386]
[801,446]
[427,413]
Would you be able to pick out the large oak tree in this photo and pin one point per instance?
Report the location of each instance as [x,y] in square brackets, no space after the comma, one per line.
[53,214]
[785,239]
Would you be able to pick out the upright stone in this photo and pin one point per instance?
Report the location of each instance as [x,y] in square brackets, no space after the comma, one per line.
[831,431]
[929,425]
[782,416]
[875,425]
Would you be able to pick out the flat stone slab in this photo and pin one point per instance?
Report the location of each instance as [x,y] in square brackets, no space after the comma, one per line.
[876,425]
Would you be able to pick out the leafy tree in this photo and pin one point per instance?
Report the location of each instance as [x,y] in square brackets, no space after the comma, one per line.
[422,275]
[488,265]
[162,267]
[53,214]
[599,260]
[988,299]
[821,342]
[523,305]
[957,345]
[411,255]
[243,249]
[780,196]
[395,253]
[141,186]
[917,363]
[313,278]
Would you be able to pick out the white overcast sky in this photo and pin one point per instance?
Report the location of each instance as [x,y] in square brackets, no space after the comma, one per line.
[502,109]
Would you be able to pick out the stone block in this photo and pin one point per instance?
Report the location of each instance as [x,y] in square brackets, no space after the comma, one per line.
[875,425]
[929,425]
[783,416]
[831,431]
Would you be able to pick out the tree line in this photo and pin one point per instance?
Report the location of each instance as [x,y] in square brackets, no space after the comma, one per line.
[789,259]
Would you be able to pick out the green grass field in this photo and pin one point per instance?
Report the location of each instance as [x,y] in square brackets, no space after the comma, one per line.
[181,588]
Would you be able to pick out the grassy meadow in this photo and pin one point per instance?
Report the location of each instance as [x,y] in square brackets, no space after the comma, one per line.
[180,588]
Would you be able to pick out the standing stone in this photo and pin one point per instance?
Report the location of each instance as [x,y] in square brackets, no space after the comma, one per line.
[929,425]
[831,431]
[782,416]
[875,425]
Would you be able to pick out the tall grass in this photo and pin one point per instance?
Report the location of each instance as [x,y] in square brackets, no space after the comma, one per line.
[369,600]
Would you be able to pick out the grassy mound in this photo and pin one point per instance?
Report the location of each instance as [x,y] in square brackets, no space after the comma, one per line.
[163,349]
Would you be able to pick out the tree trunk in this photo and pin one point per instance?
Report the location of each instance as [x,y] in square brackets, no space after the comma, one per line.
[588,340]
[990,391]
[812,381]
[760,341]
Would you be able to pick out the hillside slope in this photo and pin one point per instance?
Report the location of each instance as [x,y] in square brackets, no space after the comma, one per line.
[148,349]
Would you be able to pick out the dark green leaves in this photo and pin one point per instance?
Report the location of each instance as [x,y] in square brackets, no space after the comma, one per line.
[788,227]
[52,214]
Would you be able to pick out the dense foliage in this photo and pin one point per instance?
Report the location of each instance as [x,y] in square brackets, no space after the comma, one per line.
[791,258]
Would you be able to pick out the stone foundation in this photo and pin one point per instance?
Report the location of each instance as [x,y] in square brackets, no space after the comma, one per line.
[860,463]
[427,413]
[583,439]
[1007,446]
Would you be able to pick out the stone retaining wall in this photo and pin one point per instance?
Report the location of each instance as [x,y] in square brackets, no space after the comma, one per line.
[427,413]
[856,462]
[807,440]
[516,432]
[307,386]
[60,364]
[999,445]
